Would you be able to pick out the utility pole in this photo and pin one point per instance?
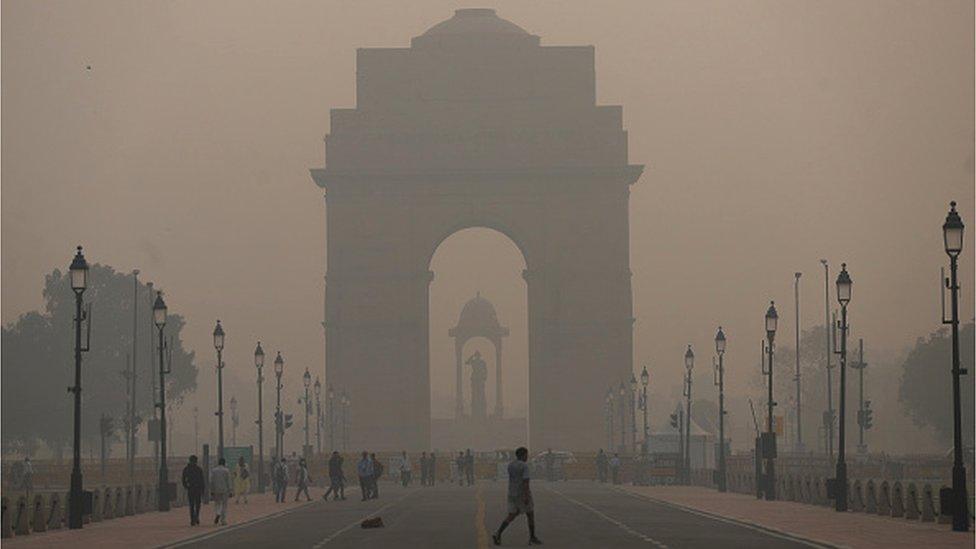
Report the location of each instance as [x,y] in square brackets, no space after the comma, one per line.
[828,419]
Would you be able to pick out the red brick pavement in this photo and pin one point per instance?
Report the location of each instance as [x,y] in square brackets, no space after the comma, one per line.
[155,528]
[821,524]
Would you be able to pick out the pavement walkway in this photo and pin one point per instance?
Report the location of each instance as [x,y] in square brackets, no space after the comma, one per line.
[154,528]
[811,522]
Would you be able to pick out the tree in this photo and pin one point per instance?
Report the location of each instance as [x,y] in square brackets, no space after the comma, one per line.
[38,361]
[926,382]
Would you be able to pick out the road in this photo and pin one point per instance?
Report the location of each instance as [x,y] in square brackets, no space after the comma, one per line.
[575,514]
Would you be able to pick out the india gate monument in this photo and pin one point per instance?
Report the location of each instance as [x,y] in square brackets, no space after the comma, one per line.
[477,124]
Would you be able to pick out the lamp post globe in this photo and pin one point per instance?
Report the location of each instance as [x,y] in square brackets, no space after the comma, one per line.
[689,359]
[279,364]
[79,272]
[318,387]
[720,342]
[159,311]
[307,379]
[218,337]
[952,232]
[645,378]
[772,320]
[844,285]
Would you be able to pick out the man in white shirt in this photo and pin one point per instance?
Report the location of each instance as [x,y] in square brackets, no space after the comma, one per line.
[220,490]
[406,469]
[519,497]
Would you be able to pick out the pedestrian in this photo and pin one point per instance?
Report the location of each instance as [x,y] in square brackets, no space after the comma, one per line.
[601,466]
[615,468]
[365,471]
[519,497]
[550,465]
[431,469]
[469,467]
[406,469]
[377,474]
[242,480]
[303,479]
[192,480]
[220,490]
[280,480]
[423,468]
[337,480]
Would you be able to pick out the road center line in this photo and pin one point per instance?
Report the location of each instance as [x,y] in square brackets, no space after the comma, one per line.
[358,521]
[610,519]
[479,519]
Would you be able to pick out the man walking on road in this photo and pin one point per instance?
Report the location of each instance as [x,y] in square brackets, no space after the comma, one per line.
[615,468]
[193,484]
[519,497]
[280,475]
[406,469]
[377,475]
[337,481]
[365,471]
[220,490]
[303,479]
[469,467]
[601,466]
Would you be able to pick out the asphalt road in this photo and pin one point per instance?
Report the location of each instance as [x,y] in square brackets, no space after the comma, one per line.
[575,514]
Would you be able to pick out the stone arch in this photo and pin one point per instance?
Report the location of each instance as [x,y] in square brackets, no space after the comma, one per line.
[857,497]
[912,507]
[871,498]
[897,500]
[884,498]
[928,504]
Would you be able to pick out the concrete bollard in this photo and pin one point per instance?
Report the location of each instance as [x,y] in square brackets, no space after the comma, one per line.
[96,514]
[21,517]
[945,517]
[38,514]
[128,503]
[137,503]
[856,497]
[928,504]
[55,511]
[118,507]
[871,499]
[884,499]
[897,500]
[107,500]
[808,491]
[912,510]
[6,524]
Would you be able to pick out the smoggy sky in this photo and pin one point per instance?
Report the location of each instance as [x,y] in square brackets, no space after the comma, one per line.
[773,133]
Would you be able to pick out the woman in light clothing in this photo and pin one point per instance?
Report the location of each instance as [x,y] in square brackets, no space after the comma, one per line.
[242,480]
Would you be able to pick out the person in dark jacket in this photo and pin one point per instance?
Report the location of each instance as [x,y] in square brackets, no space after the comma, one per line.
[337,480]
[194,485]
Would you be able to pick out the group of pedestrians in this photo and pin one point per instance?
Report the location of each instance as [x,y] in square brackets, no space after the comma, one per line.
[428,469]
[369,470]
[280,478]
[464,465]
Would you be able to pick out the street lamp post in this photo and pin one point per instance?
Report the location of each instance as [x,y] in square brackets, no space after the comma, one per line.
[689,366]
[862,405]
[234,419]
[279,367]
[644,405]
[609,401]
[621,392]
[79,282]
[345,402]
[159,319]
[844,297]
[769,448]
[720,381]
[796,302]
[952,233]
[318,416]
[330,400]
[259,364]
[218,340]
[307,382]
[633,413]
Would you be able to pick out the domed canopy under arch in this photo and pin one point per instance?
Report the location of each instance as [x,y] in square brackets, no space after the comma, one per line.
[478,318]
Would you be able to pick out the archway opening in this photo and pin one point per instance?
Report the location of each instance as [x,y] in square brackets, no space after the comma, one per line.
[478,270]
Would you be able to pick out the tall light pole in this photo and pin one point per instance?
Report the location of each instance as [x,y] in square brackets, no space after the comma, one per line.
[234,420]
[307,382]
[279,367]
[769,448]
[330,400]
[633,413]
[132,377]
[609,401]
[828,419]
[621,392]
[644,405]
[862,416]
[345,402]
[159,318]
[796,303]
[318,416]
[79,282]
[218,341]
[152,369]
[689,366]
[843,297]
[952,234]
[259,364]
[720,381]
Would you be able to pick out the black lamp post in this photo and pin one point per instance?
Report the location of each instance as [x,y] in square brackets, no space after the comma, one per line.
[307,382]
[79,282]
[279,367]
[952,233]
[769,448]
[234,420]
[159,319]
[345,402]
[318,416]
[720,381]
[843,297]
[330,400]
[644,405]
[621,392]
[259,364]
[633,413]
[689,366]
[218,339]
[609,401]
